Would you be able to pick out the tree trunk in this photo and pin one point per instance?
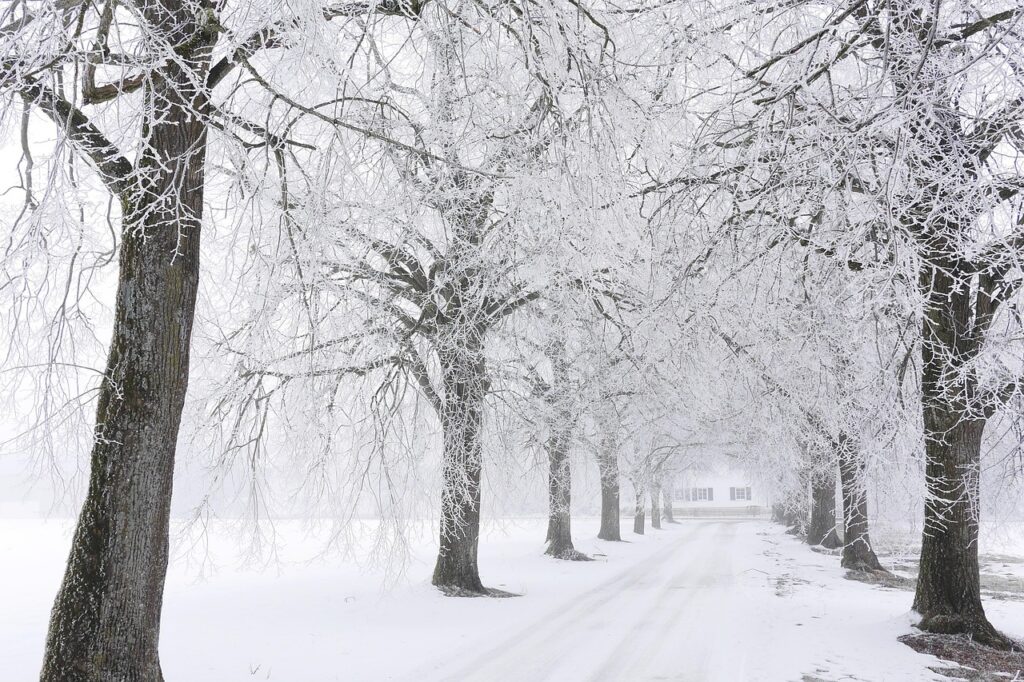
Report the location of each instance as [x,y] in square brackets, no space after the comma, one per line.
[464,380]
[638,511]
[666,494]
[105,622]
[960,303]
[608,466]
[822,527]
[656,506]
[948,593]
[796,521]
[559,535]
[858,554]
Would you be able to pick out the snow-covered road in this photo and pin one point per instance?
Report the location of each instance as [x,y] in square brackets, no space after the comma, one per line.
[673,616]
[707,601]
[717,601]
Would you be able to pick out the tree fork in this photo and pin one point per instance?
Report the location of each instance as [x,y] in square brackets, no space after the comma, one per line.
[959,306]
[105,622]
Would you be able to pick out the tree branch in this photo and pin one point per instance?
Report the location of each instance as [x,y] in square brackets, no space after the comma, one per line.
[979,26]
[271,37]
[114,169]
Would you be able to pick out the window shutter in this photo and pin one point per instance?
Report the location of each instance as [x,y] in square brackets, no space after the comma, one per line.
[732,494]
[748,494]
[711,494]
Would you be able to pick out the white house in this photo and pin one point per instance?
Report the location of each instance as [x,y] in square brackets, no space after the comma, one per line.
[724,491]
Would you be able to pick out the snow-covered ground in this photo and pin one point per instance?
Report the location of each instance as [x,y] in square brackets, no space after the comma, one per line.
[701,600]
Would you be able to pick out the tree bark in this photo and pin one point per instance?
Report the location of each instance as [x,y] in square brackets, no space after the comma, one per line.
[796,521]
[608,466]
[948,595]
[940,215]
[105,622]
[858,555]
[667,513]
[459,344]
[822,527]
[559,535]
[639,512]
[656,506]
[464,380]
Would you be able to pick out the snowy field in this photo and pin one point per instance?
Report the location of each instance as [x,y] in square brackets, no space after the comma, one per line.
[700,600]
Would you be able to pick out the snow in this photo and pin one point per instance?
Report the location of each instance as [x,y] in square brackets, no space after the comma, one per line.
[701,600]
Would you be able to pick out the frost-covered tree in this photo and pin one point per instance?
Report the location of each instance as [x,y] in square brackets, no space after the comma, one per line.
[905,117]
[133,90]
[106,619]
[404,283]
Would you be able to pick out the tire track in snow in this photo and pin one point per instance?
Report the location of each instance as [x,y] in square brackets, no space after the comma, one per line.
[676,641]
[617,629]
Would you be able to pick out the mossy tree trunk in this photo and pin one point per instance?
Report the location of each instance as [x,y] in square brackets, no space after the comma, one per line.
[105,623]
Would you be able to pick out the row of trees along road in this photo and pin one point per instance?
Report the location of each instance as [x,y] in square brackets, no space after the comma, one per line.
[895,127]
[428,228]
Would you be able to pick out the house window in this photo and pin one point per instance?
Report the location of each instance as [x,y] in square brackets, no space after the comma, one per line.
[701,495]
[740,493]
